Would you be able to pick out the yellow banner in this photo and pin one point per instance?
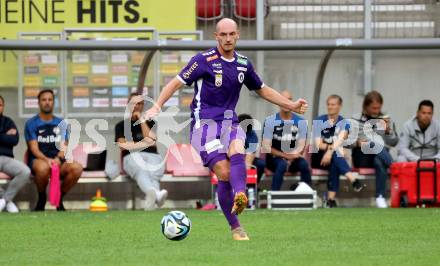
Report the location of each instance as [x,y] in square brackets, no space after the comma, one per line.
[52,16]
[32,81]
[80,69]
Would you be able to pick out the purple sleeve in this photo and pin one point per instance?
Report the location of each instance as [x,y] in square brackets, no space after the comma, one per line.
[193,71]
[251,79]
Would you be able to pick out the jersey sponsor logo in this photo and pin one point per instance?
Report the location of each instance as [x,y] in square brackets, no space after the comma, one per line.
[242,69]
[211,58]
[209,53]
[217,65]
[187,73]
[49,139]
[218,71]
[242,61]
[218,80]
[241,77]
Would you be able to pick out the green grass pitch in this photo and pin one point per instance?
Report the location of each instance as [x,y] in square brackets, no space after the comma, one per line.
[320,237]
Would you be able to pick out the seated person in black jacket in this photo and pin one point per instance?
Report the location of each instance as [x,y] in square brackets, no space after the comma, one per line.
[17,170]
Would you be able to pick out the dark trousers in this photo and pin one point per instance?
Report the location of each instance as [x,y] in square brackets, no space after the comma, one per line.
[279,166]
[338,166]
[260,164]
[380,162]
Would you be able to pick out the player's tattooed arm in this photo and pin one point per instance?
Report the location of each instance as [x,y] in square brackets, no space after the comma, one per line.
[299,106]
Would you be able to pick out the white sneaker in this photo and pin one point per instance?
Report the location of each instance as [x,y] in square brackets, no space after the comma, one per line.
[161,197]
[150,200]
[2,204]
[11,207]
[381,202]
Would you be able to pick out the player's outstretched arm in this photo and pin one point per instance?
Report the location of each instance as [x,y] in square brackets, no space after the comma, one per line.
[299,106]
[165,94]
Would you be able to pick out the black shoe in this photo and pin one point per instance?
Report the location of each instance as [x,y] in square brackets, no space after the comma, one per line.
[294,186]
[39,208]
[41,203]
[331,204]
[61,208]
[358,186]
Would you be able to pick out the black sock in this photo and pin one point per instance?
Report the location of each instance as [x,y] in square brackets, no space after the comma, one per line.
[61,206]
[41,203]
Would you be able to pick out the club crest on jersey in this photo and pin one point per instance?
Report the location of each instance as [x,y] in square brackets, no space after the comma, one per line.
[218,80]
[241,77]
[56,130]
[242,61]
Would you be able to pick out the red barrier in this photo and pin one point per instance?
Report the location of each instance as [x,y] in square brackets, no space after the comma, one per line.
[415,184]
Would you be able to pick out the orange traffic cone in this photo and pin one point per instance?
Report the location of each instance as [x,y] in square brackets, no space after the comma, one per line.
[99,203]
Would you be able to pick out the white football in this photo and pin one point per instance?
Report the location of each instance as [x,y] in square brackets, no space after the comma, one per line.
[175,225]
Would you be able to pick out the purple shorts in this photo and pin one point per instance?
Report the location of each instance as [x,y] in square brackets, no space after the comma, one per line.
[212,140]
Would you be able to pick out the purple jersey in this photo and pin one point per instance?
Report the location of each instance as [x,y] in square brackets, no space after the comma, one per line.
[218,82]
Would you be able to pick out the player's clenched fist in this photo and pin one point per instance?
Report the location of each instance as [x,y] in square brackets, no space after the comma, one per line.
[300,106]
